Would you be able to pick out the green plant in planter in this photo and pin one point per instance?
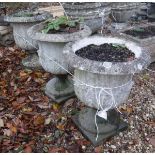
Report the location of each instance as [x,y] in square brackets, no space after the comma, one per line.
[118,46]
[61,21]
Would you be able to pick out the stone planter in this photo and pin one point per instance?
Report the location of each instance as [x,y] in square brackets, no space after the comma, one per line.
[148,43]
[103,82]
[6,36]
[52,59]
[121,13]
[94,14]
[151,12]
[142,14]
[20,26]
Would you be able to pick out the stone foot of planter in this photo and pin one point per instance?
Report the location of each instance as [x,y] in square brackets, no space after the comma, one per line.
[32,61]
[60,88]
[85,121]
[152,58]
[7,40]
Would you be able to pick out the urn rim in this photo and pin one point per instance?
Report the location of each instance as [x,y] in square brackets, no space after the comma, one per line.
[130,67]
[38,18]
[35,33]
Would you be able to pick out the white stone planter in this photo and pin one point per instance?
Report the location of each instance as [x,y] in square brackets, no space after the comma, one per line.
[104,75]
[147,43]
[122,12]
[94,14]
[20,26]
[6,36]
[103,86]
[52,58]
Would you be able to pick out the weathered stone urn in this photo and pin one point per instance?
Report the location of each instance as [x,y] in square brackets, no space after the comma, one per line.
[94,13]
[6,36]
[21,22]
[147,42]
[103,85]
[52,59]
[121,13]
[151,12]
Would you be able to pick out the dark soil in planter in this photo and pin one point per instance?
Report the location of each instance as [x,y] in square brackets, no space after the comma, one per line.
[65,29]
[142,32]
[26,14]
[106,52]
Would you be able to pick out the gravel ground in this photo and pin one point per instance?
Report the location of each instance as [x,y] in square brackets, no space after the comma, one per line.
[139,112]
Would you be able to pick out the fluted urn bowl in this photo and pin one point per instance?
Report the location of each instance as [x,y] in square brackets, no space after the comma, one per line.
[53,61]
[21,22]
[99,84]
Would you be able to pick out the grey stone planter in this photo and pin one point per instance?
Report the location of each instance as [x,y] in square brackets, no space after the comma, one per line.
[122,12]
[6,36]
[147,43]
[104,74]
[91,78]
[91,12]
[20,26]
[51,58]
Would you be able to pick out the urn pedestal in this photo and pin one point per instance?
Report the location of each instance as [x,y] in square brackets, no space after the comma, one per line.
[103,86]
[106,128]
[51,57]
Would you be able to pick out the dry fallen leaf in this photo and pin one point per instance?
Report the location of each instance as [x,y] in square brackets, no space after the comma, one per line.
[56,106]
[28,109]
[129,110]
[23,74]
[43,106]
[152,141]
[48,121]
[39,120]
[98,149]
[38,74]
[11,49]
[21,99]
[1,123]
[13,129]
[7,132]
[61,126]
[55,149]
[28,149]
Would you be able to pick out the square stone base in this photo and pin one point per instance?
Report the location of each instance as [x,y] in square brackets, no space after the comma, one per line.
[101,137]
[60,99]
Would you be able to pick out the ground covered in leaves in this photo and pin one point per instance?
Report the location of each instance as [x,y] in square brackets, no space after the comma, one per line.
[31,122]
